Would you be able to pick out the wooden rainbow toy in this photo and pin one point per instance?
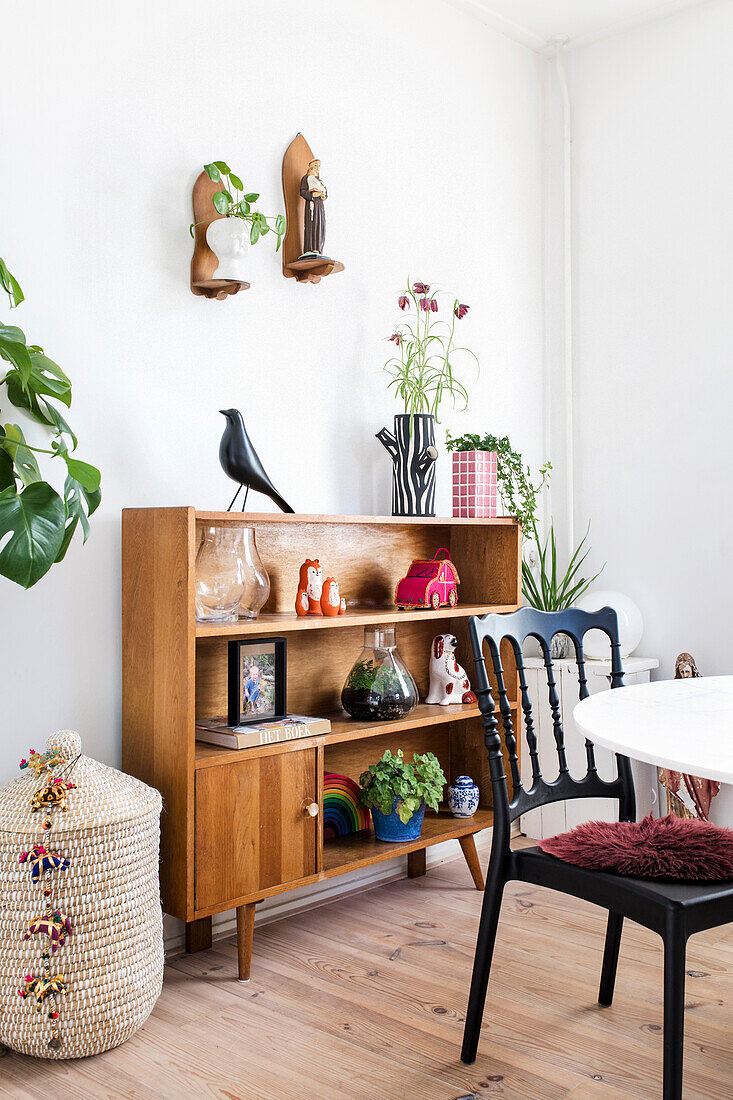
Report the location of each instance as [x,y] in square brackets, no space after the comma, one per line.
[342,813]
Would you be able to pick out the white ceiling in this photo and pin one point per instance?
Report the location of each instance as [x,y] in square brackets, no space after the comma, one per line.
[535,22]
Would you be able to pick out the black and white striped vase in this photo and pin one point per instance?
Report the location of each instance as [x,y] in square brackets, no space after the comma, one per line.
[413,453]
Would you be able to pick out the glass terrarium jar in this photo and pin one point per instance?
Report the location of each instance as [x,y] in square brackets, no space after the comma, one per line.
[380,686]
[231,581]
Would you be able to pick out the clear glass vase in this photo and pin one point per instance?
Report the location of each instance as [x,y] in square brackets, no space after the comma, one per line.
[231,581]
[380,686]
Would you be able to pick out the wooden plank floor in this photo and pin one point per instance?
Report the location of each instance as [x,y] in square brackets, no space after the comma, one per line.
[364,999]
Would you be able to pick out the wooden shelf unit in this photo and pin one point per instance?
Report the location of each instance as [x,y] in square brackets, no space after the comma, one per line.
[234,827]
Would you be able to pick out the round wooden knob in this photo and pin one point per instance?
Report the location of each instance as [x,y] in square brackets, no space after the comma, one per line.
[312,809]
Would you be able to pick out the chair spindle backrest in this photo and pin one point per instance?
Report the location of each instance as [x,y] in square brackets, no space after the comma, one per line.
[515,628]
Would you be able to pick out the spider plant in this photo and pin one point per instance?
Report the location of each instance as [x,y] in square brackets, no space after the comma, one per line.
[548,591]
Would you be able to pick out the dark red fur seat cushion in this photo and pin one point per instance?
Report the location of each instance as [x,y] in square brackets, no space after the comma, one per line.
[668,847]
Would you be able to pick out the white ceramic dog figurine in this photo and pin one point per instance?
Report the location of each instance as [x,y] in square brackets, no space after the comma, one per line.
[448,681]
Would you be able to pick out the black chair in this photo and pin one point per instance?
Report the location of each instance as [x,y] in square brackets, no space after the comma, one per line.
[674,910]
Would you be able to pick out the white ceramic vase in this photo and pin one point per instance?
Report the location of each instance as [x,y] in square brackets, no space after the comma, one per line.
[630,623]
[228,238]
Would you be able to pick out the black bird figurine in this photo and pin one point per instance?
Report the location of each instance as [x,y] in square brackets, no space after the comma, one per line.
[240,462]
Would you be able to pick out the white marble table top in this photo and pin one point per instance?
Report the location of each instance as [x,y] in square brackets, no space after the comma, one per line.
[686,725]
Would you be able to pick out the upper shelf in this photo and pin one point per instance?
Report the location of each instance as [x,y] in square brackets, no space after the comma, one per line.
[284,622]
[252,518]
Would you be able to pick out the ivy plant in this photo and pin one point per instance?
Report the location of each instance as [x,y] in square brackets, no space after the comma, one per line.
[40,522]
[518,489]
[411,784]
[232,201]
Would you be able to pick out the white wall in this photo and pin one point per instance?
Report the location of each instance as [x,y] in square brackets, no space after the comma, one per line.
[428,125]
[654,326]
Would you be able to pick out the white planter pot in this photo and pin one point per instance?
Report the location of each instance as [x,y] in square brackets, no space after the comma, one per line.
[228,239]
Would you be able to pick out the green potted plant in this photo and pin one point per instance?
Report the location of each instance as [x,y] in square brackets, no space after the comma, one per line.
[422,375]
[40,521]
[550,591]
[485,464]
[397,793]
[241,223]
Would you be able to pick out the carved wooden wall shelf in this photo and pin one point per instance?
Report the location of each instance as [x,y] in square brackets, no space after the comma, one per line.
[297,157]
[203,262]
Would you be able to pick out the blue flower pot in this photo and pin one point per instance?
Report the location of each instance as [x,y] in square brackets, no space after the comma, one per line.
[389,827]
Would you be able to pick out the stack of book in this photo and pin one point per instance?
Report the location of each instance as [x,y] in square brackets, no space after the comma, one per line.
[215,731]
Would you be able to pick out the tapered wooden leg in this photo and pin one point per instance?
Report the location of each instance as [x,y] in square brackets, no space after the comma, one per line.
[482,965]
[198,935]
[610,958]
[468,847]
[245,935]
[674,1012]
[416,863]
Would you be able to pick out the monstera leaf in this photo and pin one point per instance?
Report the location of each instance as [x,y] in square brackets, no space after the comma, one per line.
[76,496]
[35,519]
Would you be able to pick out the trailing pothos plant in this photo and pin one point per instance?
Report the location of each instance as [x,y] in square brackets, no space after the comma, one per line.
[410,784]
[518,489]
[40,522]
[232,201]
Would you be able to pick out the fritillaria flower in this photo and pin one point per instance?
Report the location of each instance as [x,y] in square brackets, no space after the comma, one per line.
[460,311]
[396,338]
[425,304]
[403,301]
[434,305]
[421,288]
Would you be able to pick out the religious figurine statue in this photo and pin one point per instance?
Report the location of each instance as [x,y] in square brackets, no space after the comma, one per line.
[688,795]
[313,190]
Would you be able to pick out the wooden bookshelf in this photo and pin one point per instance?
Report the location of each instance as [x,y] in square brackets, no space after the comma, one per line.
[235,828]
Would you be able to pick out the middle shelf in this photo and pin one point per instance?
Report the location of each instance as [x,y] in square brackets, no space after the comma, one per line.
[343,729]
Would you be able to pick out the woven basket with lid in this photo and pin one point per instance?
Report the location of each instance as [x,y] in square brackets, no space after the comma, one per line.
[113,961]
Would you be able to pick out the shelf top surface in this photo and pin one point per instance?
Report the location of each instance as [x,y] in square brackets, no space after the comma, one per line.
[343,728]
[401,521]
[275,622]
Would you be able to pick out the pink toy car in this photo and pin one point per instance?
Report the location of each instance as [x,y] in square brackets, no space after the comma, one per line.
[431,583]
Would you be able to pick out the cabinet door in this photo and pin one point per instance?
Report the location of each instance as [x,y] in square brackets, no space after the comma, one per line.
[252,831]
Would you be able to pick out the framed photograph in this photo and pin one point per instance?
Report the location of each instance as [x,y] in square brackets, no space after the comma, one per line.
[257,681]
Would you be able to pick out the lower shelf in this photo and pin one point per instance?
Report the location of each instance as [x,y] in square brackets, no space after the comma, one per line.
[359,850]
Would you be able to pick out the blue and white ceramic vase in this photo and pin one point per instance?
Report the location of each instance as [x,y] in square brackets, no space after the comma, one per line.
[463,797]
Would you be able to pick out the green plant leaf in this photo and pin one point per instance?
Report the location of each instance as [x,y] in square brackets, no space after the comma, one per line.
[23,458]
[236,181]
[88,476]
[222,201]
[10,285]
[254,233]
[75,498]
[212,172]
[35,518]
[223,167]
[7,470]
[14,350]
[252,196]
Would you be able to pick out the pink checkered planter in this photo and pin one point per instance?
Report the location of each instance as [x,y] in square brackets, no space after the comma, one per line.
[474,484]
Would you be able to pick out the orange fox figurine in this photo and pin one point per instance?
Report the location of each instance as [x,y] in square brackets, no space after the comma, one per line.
[310,586]
[330,599]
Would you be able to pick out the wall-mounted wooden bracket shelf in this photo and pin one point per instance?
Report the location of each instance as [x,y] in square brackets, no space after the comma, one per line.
[204,262]
[298,156]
